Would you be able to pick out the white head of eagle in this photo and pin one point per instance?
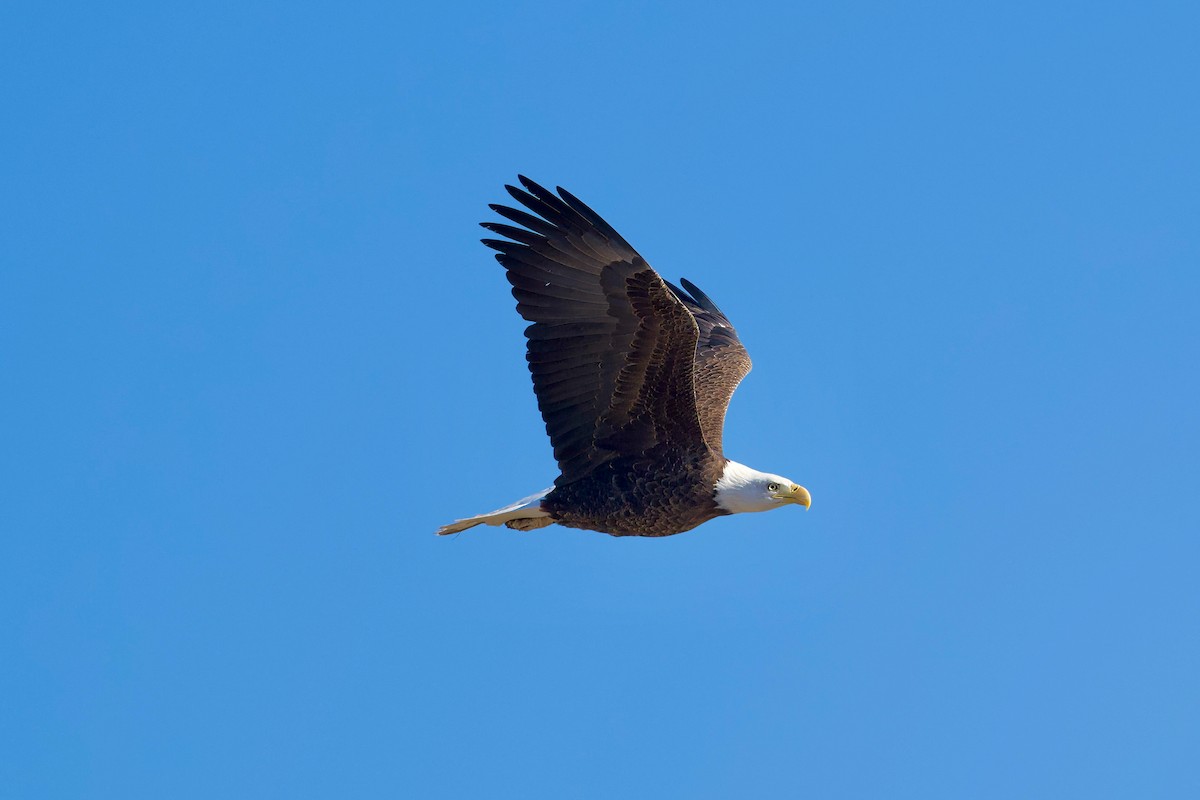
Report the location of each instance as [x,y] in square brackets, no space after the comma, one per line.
[741,489]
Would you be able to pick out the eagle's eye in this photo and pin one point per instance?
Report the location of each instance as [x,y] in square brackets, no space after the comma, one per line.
[772,487]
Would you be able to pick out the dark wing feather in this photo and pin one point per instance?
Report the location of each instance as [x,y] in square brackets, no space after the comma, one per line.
[721,361]
[611,348]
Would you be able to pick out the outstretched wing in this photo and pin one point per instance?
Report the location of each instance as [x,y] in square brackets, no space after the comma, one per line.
[721,361]
[611,348]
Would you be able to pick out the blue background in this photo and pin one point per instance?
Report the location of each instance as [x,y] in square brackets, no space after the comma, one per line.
[253,355]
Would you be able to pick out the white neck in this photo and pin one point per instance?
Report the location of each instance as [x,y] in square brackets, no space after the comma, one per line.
[741,489]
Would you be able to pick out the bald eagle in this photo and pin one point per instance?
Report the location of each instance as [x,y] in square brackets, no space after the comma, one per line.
[632,375]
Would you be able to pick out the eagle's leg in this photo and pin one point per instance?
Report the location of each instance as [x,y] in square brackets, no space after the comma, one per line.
[529,523]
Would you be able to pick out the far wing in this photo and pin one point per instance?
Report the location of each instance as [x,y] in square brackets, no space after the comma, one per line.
[721,361]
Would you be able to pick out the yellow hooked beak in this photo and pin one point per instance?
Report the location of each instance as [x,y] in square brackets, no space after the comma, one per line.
[795,494]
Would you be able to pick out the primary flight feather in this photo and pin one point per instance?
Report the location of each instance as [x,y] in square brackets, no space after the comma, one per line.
[633,376]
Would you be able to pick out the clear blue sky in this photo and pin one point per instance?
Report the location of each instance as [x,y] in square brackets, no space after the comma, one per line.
[253,355]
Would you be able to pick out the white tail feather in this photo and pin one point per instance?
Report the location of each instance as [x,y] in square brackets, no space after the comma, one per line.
[525,508]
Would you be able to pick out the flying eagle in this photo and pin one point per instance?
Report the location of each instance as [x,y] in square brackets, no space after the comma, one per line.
[632,376]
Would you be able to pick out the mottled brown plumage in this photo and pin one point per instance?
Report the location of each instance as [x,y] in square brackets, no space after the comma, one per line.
[721,361]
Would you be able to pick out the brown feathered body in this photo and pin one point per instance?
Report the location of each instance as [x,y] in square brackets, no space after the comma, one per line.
[660,493]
